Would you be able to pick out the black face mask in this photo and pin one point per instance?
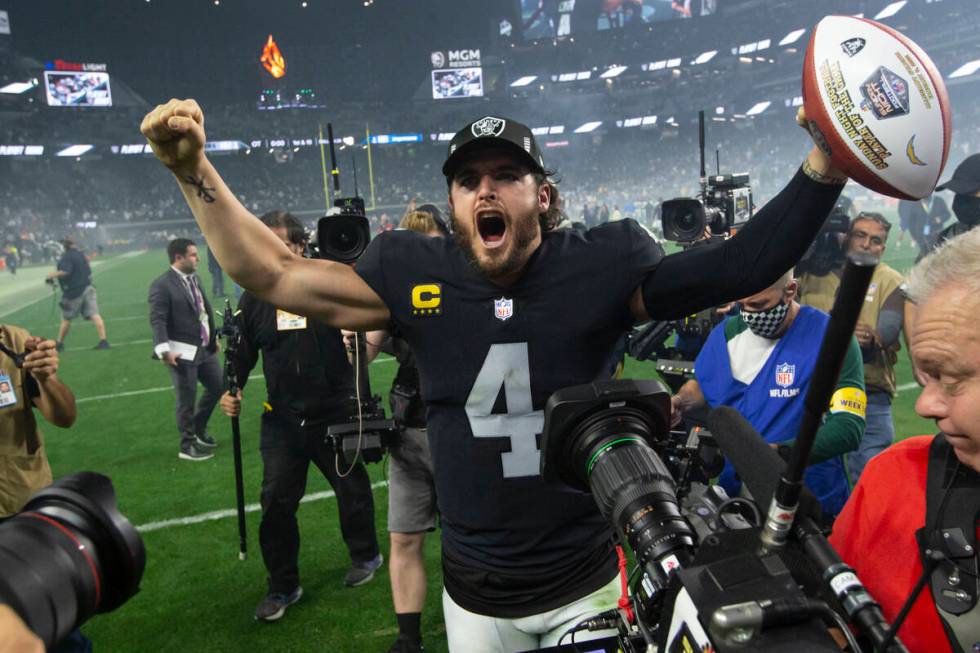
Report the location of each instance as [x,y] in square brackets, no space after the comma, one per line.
[967,209]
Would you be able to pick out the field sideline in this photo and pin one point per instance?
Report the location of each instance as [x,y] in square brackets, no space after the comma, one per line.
[196,595]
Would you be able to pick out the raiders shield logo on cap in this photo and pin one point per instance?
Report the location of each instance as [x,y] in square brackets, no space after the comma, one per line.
[488,126]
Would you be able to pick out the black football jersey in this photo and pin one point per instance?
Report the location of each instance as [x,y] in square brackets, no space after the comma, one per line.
[489,357]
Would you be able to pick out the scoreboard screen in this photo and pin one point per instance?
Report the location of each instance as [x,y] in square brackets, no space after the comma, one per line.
[457,82]
[77,89]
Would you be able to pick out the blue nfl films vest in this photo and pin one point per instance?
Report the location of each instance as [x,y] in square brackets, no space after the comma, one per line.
[773,401]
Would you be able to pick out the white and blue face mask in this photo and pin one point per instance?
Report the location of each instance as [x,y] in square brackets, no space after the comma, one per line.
[766,324]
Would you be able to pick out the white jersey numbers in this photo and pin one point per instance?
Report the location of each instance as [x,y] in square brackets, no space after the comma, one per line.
[507,365]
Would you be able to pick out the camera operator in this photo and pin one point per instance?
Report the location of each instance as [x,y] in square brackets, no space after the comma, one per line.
[31,382]
[511,304]
[77,293]
[411,488]
[23,464]
[761,362]
[310,385]
[877,332]
[924,493]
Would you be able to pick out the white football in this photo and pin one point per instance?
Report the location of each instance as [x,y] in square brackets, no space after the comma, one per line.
[877,105]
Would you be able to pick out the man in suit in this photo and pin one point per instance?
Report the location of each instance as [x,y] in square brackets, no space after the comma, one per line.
[184,339]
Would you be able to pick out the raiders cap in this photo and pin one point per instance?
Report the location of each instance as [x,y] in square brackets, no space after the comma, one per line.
[492,131]
[966,177]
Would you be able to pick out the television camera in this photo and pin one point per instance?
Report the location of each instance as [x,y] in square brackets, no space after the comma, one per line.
[343,235]
[714,573]
[724,204]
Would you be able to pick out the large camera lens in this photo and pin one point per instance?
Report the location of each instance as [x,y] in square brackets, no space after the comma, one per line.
[68,555]
[683,220]
[598,437]
[343,237]
[633,488]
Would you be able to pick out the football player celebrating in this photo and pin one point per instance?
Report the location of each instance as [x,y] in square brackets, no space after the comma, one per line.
[499,317]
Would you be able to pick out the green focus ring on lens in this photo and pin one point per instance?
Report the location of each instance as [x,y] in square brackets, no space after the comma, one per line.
[607,446]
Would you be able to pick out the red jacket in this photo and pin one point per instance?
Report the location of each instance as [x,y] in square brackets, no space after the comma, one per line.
[875,534]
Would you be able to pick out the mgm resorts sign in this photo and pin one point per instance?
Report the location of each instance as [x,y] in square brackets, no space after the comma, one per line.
[455,59]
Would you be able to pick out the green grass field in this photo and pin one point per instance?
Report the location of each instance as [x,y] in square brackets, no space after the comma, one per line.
[196,595]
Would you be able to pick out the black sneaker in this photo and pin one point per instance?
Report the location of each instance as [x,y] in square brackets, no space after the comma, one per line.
[103,344]
[406,644]
[362,572]
[193,452]
[273,606]
[205,440]
[59,346]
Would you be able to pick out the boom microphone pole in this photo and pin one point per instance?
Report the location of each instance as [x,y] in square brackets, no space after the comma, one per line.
[232,333]
[836,341]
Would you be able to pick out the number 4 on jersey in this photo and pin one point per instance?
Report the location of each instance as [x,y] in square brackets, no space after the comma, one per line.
[507,365]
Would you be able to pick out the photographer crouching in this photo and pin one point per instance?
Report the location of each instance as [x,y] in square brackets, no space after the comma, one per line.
[310,385]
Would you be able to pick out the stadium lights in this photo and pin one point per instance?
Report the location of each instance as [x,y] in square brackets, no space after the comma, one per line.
[705,57]
[615,71]
[16,88]
[891,10]
[745,59]
[673,63]
[758,108]
[588,127]
[544,131]
[792,37]
[523,81]
[966,69]
[75,150]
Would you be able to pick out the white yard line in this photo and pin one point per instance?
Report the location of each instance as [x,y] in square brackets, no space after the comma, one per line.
[224,514]
[162,388]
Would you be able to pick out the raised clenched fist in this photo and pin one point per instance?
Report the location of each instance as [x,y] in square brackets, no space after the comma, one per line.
[175,131]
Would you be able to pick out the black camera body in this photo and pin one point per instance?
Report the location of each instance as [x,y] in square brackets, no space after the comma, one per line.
[365,437]
[344,233]
[724,203]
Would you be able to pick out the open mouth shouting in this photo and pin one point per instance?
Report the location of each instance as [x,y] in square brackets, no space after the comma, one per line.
[492,228]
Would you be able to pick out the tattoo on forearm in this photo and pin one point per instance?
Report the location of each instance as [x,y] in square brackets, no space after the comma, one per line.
[204,192]
[820,177]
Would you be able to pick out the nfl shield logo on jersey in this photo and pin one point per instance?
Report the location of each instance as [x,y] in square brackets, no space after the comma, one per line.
[503,308]
[785,373]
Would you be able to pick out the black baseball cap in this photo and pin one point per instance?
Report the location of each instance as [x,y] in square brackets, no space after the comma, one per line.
[492,131]
[966,177]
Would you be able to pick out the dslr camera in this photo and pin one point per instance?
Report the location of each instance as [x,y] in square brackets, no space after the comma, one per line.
[725,202]
[68,555]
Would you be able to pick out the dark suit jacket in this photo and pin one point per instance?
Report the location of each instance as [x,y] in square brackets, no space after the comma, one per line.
[173,315]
